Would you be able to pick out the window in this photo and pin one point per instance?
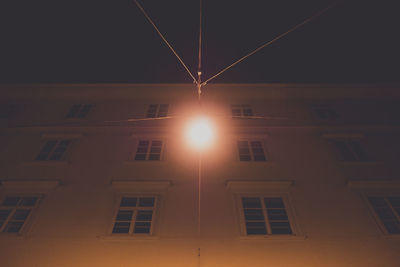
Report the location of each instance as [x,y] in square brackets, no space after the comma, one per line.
[79,110]
[135,215]
[241,111]
[387,209]
[350,150]
[15,212]
[325,113]
[251,151]
[265,216]
[54,150]
[149,150]
[157,110]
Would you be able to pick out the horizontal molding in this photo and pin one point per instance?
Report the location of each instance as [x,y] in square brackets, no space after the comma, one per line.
[62,136]
[343,135]
[364,185]
[259,186]
[29,186]
[159,187]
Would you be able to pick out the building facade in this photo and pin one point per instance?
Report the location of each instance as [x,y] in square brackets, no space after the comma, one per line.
[102,175]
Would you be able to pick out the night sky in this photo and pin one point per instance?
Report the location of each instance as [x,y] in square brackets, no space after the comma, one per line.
[85,41]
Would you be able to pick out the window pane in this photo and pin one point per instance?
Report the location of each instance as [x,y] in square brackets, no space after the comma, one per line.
[253,215]
[358,150]
[280,228]
[142,227]
[146,202]
[274,202]
[256,228]
[163,111]
[85,110]
[11,201]
[28,201]
[20,215]
[128,202]
[144,215]
[13,227]
[345,152]
[251,202]
[4,214]
[151,112]
[124,215]
[121,227]
[73,111]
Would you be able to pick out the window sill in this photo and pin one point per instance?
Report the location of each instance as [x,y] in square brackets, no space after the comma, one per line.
[47,163]
[275,237]
[127,237]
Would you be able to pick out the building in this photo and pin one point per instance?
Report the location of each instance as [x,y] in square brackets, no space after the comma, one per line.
[299,175]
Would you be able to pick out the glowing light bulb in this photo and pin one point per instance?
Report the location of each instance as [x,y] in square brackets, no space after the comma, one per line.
[199,134]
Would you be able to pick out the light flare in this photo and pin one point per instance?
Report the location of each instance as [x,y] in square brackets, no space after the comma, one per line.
[200,133]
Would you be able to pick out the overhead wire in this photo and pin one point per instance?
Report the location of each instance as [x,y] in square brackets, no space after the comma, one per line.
[165,40]
[316,15]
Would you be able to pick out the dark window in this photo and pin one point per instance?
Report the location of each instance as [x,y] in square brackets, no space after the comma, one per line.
[241,111]
[79,110]
[134,216]
[15,211]
[54,150]
[157,110]
[350,150]
[325,113]
[266,215]
[388,211]
[251,151]
[149,150]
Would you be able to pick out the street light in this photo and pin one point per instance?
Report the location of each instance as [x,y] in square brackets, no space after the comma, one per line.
[199,133]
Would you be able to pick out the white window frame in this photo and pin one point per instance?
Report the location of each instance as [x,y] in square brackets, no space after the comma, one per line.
[135,209]
[150,139]
[241,107]
[39,188]
[158,110]
[13,209]
[378,220]
[52,151]
[261,189]
[378,188]
[76,117]
[248,140]
[136,188]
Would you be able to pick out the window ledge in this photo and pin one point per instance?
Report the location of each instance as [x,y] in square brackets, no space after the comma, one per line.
[144,162]
[374,184]
[360,163]
[125,237]
[154,187]
[37,186]
[47,163]
[275,237]
[258,186]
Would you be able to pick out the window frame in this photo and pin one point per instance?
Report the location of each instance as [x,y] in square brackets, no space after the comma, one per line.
[157,111]
[29,220]
[262,188]
[289,213]
[241,107]
[49,155]
[150,139]
[249,140]
[76,117]
[131,233]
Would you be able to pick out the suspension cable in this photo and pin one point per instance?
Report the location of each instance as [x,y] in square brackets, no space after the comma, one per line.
[165,40]
[316,15]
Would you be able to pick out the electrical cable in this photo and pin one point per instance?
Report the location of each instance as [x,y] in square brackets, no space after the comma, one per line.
[165,40]
[319,13]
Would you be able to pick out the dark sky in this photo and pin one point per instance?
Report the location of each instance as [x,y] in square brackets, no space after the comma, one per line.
[110,41]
